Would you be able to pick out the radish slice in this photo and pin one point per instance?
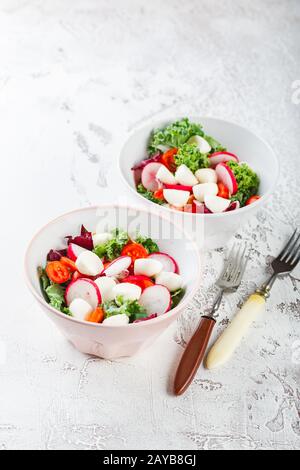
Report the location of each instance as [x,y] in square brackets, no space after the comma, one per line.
[106,285]
[204,189]
[226,176]
[175,197]
[117,266]
[216,204]
[233,206]
[149,173]
[169,264]
[74,251]
[185,176]
[221,157]
[179,187]
[156,299]
[85,289]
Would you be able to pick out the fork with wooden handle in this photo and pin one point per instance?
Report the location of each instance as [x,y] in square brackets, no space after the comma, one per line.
[230,339]
[193,355]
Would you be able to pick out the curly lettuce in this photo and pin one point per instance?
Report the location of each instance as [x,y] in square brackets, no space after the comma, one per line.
[148,194]
[190,155]
[112,248]
[174,135]
[247,180]
[119,306]
[147,242]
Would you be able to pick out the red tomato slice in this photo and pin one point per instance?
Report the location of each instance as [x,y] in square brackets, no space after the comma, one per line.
[139,280]
[168,159]
[252,199]
[57,272]
[135,251]
[223,191]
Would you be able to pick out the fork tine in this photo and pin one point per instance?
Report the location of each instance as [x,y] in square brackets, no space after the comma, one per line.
[240,262]
[287,246]
[296,260]
[292,251]
[228,262]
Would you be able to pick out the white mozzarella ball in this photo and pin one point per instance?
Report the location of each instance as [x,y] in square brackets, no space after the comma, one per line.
[175,197]
[101,238]
[203,189]
[171,281]
[206,175]
[106,285]
[127,291]
[216,204]
[165,176]
[116,320]
[185,176]
[201,143]
[89,263]
[79,309]
[147,267]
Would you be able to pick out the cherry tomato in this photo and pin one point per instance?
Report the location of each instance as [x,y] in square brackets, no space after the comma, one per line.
[168,159]
[223,191]
[159,194]
[68,263]
[139,280]
[252,199]
[135,251]
[57,272]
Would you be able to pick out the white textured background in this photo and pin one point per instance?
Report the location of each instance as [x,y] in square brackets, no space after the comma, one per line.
[75,77]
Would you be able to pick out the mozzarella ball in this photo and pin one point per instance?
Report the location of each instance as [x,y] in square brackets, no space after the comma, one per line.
[80,309]
[101,238]
[204,189]
[175,197]
[147,267]
[89,263]
[185,176]
[106,285]
[171,281]
[206,175]
[201,143]
[116,320]
[127,291]
[165,176]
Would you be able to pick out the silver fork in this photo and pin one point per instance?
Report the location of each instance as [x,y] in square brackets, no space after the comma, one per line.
[192,357]
[230,339]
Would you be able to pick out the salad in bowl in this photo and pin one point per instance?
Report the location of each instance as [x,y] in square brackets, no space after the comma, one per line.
[190,171]
[111,278]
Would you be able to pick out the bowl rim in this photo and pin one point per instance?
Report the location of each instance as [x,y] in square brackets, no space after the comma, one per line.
[257,203]
[182,304]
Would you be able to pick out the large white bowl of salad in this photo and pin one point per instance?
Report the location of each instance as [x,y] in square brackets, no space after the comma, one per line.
[112,278]
[208,174]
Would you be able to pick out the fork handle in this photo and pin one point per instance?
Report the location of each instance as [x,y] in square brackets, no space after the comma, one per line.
[193,355]
[231,337]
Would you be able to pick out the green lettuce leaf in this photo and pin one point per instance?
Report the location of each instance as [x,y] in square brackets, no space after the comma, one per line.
[247,180]
[131,308]
[148,194]
[112,248]
[190,155]
[174,135]
[150,245]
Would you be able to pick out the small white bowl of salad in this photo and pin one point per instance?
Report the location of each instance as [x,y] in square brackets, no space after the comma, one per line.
[112,278]
[209,174]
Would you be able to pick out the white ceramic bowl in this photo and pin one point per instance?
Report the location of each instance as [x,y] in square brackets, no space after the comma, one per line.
[114,341]
[209,230]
